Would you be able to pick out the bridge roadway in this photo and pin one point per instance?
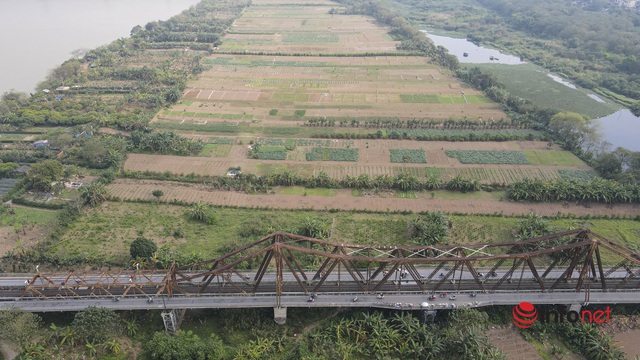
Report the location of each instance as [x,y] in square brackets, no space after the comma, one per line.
[401,301]
[338,291]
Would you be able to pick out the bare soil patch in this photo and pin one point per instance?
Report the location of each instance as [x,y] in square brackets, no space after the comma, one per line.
[512,344]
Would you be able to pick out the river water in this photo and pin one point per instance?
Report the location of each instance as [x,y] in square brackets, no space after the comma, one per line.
[620,129]
[38,35]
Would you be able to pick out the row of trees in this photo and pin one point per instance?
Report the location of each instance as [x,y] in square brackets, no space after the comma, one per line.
[165,142]
[597,190]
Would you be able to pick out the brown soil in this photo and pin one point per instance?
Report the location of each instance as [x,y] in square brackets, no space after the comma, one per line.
[512,344]
[141,189]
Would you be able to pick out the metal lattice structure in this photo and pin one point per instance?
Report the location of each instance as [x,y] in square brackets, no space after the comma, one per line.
[283,263]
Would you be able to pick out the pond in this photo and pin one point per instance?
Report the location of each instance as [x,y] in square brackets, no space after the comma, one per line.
[475,54]
[620,129]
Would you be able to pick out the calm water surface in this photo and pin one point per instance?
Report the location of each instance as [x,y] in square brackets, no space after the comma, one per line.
[475,54]
[621,129]
[38,35]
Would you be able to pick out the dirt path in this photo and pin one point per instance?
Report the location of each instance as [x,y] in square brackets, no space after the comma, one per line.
[343,200]
[512,344]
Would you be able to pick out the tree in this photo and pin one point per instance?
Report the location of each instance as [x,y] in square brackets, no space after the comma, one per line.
[532,226]
[43,174]
[571,129]
[94,194]
[157,193]
[96,325]
[142,248]
[19,327]
[608,165]
[429,229]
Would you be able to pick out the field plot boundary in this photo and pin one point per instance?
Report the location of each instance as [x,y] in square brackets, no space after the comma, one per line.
[343,200]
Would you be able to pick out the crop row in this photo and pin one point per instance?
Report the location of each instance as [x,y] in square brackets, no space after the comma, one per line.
[332,154]
[489,156]
[221,140]
[415,156]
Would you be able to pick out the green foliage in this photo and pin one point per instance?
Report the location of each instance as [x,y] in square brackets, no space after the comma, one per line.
[184,345]
[431,228]
[532,226]
[202,212]
[608,165]
[21,328]
[157,193]
[299,113]
[166,142]
[573,174]
[94,194]
[458,183]
[43,174]
[273,112]
[7,168]
[489,156]
[570,129]
[596,190]
[332,154]
[416,156]
[96,324]
[262,152]
[142,248]
[316,227]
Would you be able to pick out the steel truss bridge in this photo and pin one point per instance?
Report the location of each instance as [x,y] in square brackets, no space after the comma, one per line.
[285,270]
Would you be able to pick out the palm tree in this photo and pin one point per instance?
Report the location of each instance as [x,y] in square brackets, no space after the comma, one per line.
[94,194]
[113,346]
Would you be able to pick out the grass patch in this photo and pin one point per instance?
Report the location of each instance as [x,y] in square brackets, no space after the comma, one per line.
[475,195]
[582,175]
[107,231]
[415,156]
[489,156]
[419,98]
[406,195]
[332,154]
[307,38]
[552,157]
[531,82]
[216,150]
[296,190]
[25,216]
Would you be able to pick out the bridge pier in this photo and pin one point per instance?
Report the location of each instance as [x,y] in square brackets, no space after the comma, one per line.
[575,307]
[172,319]
[280,315]
[428,316]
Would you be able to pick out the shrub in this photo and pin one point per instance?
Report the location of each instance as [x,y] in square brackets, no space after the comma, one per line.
[429,229]
[273,112]
[96,324]
[142,248]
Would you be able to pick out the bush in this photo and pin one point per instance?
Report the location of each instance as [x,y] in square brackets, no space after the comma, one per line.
[96,324]
[201,212]
[533,226]
[142,248]
[429,229]
[273,112]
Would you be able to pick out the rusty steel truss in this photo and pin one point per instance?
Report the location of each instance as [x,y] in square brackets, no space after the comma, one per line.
[283,263]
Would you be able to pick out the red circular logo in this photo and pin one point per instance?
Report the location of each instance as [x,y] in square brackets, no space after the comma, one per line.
[524,315]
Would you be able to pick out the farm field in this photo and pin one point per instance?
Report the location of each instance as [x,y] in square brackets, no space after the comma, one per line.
[250,88]
[107,231]
[129,189]
[243,84]
[338,158]
[24,228]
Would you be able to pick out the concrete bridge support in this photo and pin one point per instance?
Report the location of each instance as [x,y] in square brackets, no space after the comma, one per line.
[280,315]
